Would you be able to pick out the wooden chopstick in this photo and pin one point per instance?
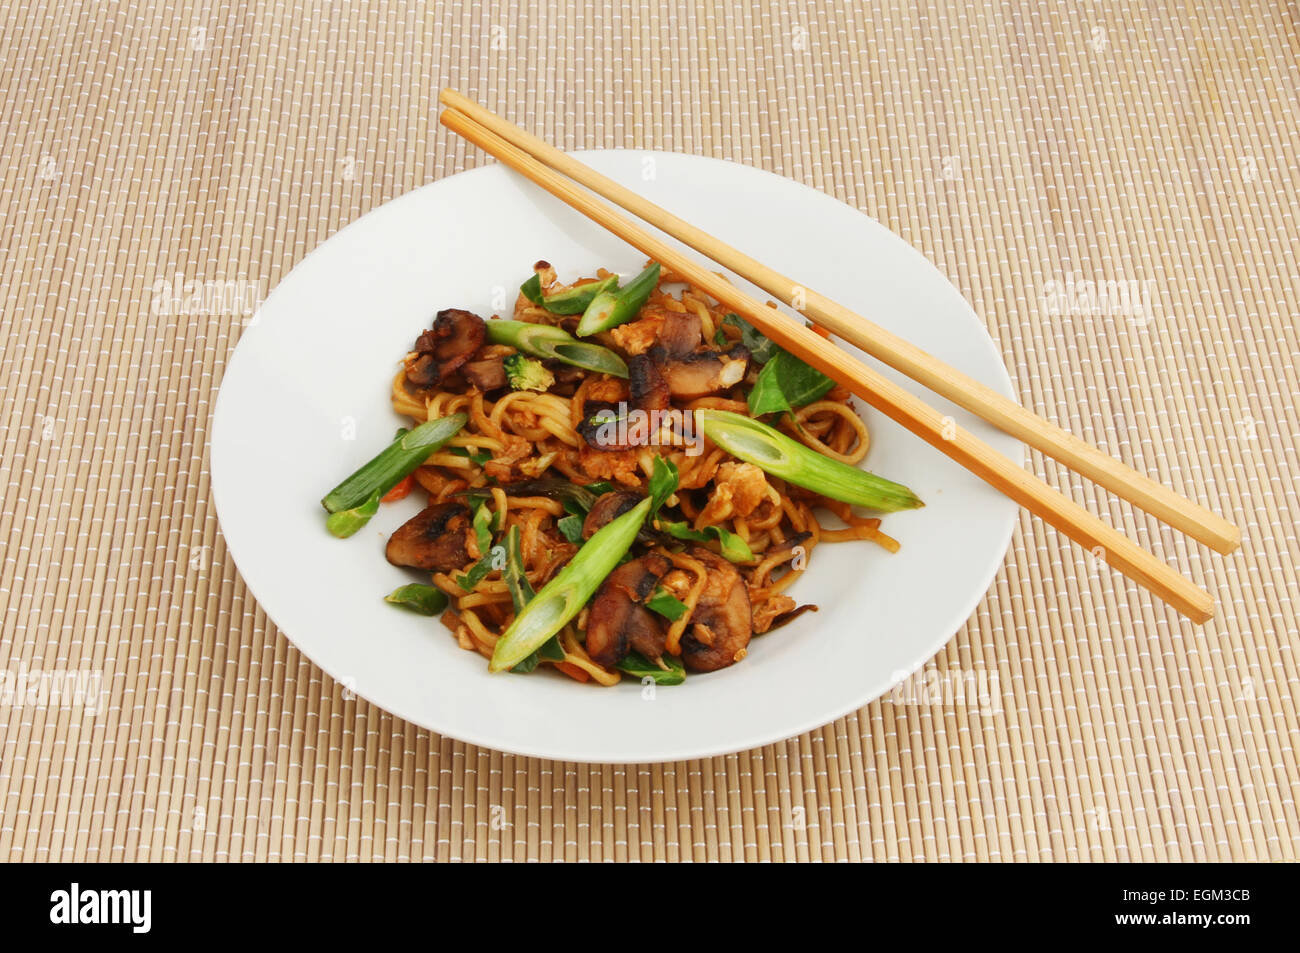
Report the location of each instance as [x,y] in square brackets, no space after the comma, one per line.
[1158,500]
[877,390]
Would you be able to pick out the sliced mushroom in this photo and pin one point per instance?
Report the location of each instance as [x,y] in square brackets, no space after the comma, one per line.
[599,425]
[607,508]
[456,336]
[434,539]
[722,622]
[618,621]
[703,372]
[487,375]
[646,387]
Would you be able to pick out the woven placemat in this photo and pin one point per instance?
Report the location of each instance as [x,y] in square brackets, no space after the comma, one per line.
[1113,187]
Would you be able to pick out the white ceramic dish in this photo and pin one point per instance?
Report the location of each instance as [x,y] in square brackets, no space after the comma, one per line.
[305,400]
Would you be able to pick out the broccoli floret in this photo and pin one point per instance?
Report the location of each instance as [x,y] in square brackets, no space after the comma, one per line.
[524,373]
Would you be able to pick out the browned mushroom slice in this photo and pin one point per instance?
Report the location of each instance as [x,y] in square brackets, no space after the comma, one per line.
[722,622]
[702,373]
[646,387]
[456,336]
[607,508]
[434,539]
[487,375]
[618,621]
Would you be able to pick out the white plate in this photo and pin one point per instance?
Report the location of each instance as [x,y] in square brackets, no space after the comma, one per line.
[306,399]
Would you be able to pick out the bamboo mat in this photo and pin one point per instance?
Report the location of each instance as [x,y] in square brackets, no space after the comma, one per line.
[1113,186]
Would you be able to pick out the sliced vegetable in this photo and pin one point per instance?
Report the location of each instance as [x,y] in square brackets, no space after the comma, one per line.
[426,600]
[775,453]
[663,484]
[761,347]
[526,373]
[785,383]
[576,499]
[346,522]
[733,548]
[573,671]
[400,491]
[564,596]
[612,308]
[666,604]
[401,457]
[475,573]
[521,590]
[637,665]
[481,457]
[482,522]
[571,527]
[546,341]
[532,289]
[521,593]
[577,299]
[549,652]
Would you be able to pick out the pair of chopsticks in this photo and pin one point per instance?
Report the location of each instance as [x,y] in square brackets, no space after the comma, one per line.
[548,167]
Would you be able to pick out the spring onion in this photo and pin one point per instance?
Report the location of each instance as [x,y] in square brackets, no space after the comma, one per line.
[426,600]
[612,308]
[521,593]
[733,548]
[563,597]
[344,523]
[638,666]
[666,604]
[385,470]
[547,341]
[775,453]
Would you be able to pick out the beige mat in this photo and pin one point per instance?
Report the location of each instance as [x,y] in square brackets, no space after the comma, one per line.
[1113,186]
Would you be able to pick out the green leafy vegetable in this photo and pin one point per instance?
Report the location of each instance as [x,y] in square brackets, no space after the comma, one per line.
[476,573]
[481,457]
[636,664]
[571,527]
[785,383]
[760,346]
[532,289]
[666,604]
[732,547]
[775,453]
[426,600]
[663,484]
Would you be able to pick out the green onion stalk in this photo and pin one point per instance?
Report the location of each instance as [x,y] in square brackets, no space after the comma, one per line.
[547,341]
[563,597]
[356,499]
[612,308]
[775,453]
